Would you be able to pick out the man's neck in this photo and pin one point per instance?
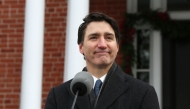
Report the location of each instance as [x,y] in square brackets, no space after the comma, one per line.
[98,72]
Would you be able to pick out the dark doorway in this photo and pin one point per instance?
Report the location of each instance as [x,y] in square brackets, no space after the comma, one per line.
[176,74]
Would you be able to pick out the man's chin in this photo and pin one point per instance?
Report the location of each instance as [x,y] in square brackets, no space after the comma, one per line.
[103,64]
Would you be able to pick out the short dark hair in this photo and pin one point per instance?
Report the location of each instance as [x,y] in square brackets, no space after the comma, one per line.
[94,17]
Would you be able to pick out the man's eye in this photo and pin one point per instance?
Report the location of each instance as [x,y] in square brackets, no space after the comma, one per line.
[109,38]
[93,38]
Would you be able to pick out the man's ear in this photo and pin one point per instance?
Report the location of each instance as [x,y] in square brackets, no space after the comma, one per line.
[117,47]
[81,48]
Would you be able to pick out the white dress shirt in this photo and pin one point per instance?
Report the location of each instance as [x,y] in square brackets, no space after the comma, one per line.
[102,79]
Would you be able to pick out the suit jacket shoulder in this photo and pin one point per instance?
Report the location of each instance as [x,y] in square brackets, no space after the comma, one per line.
[59,97]
[124,91]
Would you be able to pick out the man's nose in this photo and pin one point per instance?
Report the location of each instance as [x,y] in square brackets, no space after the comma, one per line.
[102,43]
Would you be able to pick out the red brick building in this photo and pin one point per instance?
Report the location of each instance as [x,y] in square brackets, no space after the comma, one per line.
[168,63]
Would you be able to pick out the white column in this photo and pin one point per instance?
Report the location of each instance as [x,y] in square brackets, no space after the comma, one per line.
[31,86]
[156,59]
[156,4]
[74,61]
[132,6]
[156,63]
[160,5]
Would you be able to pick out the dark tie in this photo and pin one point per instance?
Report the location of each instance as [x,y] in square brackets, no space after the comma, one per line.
[97,87]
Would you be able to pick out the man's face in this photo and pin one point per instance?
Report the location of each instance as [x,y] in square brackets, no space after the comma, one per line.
[99,46]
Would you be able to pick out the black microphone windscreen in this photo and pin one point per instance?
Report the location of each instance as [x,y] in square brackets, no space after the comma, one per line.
[83,81]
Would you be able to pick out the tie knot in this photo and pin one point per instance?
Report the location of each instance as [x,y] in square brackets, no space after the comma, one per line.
[97,86]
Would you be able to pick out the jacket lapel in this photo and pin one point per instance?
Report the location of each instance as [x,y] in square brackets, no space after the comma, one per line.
[116,86]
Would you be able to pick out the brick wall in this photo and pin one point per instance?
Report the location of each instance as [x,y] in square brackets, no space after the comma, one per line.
[11,44]
[54,45]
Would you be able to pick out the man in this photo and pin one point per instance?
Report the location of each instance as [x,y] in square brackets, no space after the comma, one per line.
[98,40]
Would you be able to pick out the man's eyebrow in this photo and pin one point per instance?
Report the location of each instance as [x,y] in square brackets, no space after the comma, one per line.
[92,34]
[108,33]
[96,34]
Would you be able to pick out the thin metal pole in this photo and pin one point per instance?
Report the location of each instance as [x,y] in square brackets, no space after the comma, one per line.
[75,99]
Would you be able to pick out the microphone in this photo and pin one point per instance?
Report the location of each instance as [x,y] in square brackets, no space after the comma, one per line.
[81,85]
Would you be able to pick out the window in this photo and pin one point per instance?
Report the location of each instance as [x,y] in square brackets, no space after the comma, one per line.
[143,55]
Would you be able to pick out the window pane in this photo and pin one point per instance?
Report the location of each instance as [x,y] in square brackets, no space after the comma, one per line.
[143,5]
[143,51]
[178,5]
[143,76]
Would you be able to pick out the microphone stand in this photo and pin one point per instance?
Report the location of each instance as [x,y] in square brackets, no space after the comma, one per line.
[76,95]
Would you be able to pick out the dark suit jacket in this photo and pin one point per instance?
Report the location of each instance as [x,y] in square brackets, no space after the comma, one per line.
[120,91]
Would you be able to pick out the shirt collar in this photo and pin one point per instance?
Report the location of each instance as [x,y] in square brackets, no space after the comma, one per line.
[102,79]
